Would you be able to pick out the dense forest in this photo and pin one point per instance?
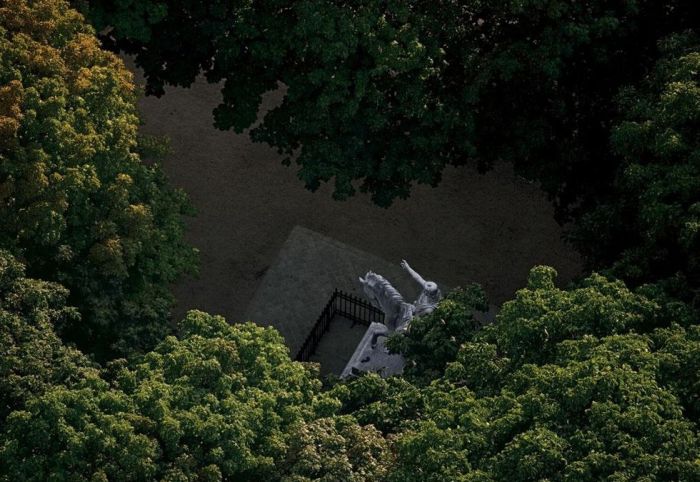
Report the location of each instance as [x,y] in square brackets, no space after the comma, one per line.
[597,100]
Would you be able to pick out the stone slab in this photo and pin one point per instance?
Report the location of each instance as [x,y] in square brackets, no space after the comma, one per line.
[377,359]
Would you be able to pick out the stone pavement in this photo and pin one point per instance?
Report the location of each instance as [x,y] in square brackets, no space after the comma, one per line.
[309,266]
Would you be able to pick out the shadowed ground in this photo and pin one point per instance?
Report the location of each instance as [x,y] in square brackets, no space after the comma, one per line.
[486,228]
[337,346]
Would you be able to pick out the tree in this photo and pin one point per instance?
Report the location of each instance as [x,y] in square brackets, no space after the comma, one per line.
[387,404]
[580,384]
[337,448]
[608,390]
[649,229]
[433,340]
[33,358]
[221,398]
[76,204]
[221,402]
[386,93]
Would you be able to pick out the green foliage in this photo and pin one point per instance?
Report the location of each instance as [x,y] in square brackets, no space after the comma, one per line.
[650,229]
[153,147]
[430,454]
[678,358]
[597,381]
[561,388]
[383,94]
[387,404]
[433,340]
[220,402]
[33,358]
[221,396]
[530,327]
[333,449]
[76,203]
[89,433]
[610,391]
[131,18]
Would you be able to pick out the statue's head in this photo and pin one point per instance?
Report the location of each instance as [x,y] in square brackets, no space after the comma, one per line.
[431,286]
[431,289]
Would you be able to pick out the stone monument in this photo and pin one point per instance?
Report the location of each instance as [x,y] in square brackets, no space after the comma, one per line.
[371,354]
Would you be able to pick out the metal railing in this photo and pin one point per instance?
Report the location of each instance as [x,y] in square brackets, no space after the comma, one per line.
[344,304]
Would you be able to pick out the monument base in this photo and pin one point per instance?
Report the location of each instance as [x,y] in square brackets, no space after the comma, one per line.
[377,359]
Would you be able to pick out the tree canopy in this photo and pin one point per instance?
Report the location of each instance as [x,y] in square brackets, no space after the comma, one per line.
[587,383]
[33,358]
[596,381]
[649,227]
[383,94]
[76,203]
[221,402]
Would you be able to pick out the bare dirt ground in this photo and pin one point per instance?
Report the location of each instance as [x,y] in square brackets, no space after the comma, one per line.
[488,228]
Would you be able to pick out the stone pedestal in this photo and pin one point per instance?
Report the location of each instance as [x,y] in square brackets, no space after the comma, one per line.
[377,359]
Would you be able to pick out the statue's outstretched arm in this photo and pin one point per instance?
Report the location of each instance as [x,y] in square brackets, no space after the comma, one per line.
[412,272]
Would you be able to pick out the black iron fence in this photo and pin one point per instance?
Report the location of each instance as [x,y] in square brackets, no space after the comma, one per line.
[344,304]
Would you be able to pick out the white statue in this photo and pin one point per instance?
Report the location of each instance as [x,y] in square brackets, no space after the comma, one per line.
[430,295]
[397,313]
